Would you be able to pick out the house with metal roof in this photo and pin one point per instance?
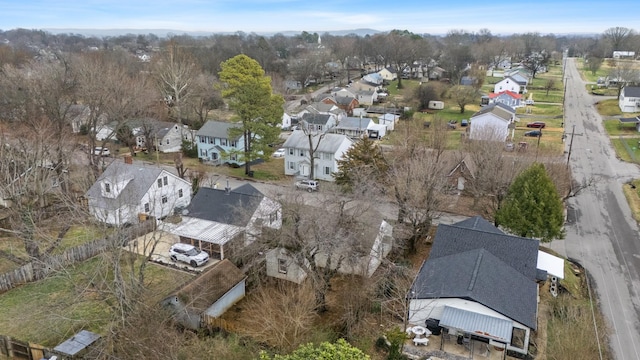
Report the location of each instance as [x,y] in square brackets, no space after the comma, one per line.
[492,122]
[220,221]
[325,148]
[218,145]
[127,192]
[479,282]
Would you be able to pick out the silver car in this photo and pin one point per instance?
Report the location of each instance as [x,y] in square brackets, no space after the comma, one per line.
[309,185]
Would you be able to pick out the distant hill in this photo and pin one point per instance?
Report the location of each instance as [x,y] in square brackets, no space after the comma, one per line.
[167,32]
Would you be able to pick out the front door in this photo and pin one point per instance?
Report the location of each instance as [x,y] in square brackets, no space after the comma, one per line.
[305,169]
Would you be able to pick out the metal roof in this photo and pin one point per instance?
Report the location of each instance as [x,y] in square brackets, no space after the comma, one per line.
[205,230]
[477,324]
[77,343]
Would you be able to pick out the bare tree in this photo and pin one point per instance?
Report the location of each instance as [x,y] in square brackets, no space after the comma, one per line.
[617,37]
[463,95]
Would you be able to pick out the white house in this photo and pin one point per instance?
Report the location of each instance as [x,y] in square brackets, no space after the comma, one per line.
[377,242]
[221,221]
[481,281]
[629,100]
[367,97]
[329,148]
[125,190]
[492,123]
[286,121]
[389,120]
[508,83]
[508,98]
[388,74]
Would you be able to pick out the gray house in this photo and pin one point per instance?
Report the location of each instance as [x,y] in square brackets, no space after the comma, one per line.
[481,282]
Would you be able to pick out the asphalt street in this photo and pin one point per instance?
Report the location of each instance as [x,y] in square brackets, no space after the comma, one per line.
[601,233]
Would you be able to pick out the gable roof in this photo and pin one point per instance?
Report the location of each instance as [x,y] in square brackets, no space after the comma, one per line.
[500,110]
[320,107]
[631,91]
[478,223]
[316,119]
[480,276]
[139,179]
[344,100]
[506,92]
[330,143]
[211,285]
[234,207]
[468,163]
[354,123]
[517,252]
[218,129]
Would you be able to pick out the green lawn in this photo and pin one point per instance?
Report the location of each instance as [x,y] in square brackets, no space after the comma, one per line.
[546,110]
[272,170]
[51,310]
[609,107]
[616,128]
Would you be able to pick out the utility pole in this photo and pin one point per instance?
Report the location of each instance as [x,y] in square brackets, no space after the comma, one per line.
[571,144]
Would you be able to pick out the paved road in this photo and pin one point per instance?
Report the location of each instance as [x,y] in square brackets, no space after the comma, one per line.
[601,234]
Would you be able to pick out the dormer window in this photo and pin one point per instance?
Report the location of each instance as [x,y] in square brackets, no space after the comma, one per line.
[107,187]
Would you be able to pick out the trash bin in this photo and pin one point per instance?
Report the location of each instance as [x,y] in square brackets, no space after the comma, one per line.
[250,173]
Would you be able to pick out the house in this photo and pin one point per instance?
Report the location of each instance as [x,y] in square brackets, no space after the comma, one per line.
[389,120]
[378,241]
[629,100]
[388,74]
[79,117]
[508,98]
[492,122]
[318,123]
[508,83]
[463,171]
[624,54]
[208,296]
[217,146]
[166,137]
[286,121]
[468,80]
[220,221]
[127,192]
[329,148]
[437,73]
[367,97]
[480,281]
[373,79]
[346,103]
[320,107]
[354,127]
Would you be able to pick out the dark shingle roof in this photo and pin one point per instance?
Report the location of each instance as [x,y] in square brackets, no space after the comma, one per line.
[478,223]
[235,207]
[517,252]
[316,119]
[479,276]
[217,129]
[631,91]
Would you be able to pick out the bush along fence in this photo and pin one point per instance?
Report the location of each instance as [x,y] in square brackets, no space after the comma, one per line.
[39,269]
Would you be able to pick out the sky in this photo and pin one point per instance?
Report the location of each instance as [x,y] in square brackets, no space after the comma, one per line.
[272,16]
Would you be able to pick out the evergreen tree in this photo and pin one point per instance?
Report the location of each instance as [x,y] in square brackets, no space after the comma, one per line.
[260,111]
[532,207]
[364,161]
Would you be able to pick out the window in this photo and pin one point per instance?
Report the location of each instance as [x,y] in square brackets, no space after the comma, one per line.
[301,152]
[290,151]
[165,180]
[223,142]
[164,199]
[292,165]
[180,193]
[146,207]
[282,266]
[167,141]
[273,217]
[327,170]
[159,182]
[232,143]
[107,187]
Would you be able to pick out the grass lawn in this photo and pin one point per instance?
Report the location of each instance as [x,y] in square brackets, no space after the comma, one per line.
[555,96]
[546,110]
[272,170]
[51,310]
[632,193]
[609,108]
[615,128]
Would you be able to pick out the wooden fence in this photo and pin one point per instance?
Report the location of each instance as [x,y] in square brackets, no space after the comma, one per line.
[15,349]
[37,270]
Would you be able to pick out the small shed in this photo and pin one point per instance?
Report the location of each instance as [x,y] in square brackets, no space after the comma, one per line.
[77,346]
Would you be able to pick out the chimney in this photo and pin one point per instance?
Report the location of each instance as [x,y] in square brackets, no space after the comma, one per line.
[128,159]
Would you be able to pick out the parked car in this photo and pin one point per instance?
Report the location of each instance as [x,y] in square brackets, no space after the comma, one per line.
[188,254]
[279,153]
[309,185]
[100,151]
[533,133]
[464,122]
[537,124]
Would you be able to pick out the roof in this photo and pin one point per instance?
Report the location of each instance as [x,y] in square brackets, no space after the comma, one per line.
[330,143]
[478,223]
[506,92]
[354,123]
[211,285]
[317,119]
[634,120]
[344,100]
[553,265]
[209,231]
[517,252]
[77,343]
[631,91]
[320,107]
[476,323]
[138,177]
[470,166]
[479,276]
[234,207]
[498,109]
[217,129]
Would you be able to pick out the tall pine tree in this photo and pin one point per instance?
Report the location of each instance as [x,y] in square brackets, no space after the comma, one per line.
[533,207]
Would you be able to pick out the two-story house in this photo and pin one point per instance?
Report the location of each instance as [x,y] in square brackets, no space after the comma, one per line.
[127,192]
[508,98]
[327,150]
[318,123]
[216,146]
[492,122]
[508,83]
